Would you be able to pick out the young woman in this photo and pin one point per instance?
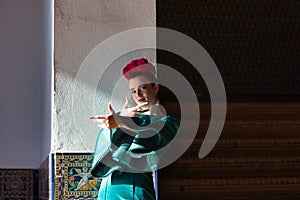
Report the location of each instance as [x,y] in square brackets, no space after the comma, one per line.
[135,135]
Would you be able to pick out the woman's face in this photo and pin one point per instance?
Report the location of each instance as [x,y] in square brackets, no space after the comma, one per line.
[142,90]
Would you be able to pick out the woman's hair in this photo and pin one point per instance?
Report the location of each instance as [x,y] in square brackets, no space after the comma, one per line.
[149,76]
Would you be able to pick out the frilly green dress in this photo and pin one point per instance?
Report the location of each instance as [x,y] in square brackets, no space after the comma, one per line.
[125,160]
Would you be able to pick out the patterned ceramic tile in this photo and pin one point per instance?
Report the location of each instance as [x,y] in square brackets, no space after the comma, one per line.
[17,184]
[73,179]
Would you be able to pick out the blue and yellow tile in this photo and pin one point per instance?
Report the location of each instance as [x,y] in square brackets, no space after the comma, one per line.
[72,178]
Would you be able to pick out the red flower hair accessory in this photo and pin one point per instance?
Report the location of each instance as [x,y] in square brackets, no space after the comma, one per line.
[139,65]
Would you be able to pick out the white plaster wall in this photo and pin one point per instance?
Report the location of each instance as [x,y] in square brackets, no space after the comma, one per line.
[47,75]
[20,83]
[79,27]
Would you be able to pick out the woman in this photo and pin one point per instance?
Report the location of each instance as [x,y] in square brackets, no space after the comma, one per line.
[135,136]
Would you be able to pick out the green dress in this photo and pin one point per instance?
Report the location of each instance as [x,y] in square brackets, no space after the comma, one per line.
[125,161]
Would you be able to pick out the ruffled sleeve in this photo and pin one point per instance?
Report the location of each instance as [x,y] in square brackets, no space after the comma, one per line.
[134,152]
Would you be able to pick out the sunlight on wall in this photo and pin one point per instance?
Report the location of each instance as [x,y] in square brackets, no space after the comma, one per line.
[79,28]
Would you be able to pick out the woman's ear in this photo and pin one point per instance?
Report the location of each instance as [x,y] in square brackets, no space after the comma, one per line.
[156,88]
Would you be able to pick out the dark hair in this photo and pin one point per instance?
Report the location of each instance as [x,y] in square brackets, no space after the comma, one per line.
[149,76]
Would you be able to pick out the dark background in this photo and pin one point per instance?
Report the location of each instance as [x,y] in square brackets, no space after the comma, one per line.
[255,44]
[256,47]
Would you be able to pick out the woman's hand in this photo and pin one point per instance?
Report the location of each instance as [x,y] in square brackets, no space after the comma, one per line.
[108,121]
[134,111]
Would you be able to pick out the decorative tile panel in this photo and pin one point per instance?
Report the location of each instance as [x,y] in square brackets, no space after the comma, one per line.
[16,184]
[73,179]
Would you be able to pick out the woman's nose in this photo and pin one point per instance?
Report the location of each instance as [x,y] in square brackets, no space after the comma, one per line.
[139,93]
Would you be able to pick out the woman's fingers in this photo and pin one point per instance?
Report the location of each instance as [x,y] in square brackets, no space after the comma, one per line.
[111,110]
[126,103]
[138,107]
[106,123]
[109,121]
[97,117]
[141,105]
[100,119]
[134,111]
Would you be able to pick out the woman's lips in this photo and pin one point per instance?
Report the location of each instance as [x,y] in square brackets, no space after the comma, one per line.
[141,100]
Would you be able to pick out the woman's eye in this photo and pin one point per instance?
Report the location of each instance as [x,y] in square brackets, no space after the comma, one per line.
[144,87]
[132,92]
